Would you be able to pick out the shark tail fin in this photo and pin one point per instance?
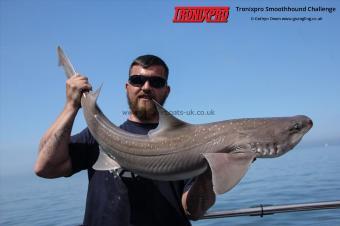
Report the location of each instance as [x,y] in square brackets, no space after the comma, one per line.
[65,63]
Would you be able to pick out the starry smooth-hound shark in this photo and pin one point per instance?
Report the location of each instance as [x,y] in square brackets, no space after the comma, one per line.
[178,150]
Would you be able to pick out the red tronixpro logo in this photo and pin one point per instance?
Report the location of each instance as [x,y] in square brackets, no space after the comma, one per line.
[199,14]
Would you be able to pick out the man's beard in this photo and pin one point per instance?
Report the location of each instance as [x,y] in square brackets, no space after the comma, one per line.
[144,112]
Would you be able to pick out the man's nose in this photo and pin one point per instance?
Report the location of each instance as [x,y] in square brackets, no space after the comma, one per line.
[146,86]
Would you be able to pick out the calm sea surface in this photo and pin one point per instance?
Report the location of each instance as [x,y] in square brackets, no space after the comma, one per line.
[303,175]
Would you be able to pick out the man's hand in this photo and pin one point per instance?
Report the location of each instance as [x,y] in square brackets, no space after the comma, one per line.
[75,86]
[200,196]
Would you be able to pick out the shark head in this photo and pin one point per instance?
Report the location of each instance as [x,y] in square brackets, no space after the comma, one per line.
[292,132]
[271,137]
[247,139]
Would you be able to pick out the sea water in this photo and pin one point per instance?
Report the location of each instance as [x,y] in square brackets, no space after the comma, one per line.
[309,174]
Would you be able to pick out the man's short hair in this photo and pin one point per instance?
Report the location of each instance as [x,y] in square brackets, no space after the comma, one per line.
[149,60]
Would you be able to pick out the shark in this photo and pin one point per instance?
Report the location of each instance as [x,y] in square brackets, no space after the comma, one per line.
[178,150]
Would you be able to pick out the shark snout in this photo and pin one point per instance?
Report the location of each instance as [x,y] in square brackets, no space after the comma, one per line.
[309,123]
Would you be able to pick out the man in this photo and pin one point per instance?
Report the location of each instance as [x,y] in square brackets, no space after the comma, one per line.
[121,197]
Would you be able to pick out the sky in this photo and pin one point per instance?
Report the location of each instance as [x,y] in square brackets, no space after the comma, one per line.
[240,69]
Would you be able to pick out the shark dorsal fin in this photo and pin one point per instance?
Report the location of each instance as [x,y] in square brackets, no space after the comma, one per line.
[167,121]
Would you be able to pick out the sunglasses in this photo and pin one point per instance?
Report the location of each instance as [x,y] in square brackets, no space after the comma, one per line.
[140,80]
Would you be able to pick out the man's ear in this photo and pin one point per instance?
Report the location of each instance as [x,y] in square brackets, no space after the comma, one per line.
[168,89]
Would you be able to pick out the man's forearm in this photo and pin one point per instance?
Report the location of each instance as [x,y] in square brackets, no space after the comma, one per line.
[200,196]
[53,158]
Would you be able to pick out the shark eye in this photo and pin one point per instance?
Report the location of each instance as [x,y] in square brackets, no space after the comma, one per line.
[296,127]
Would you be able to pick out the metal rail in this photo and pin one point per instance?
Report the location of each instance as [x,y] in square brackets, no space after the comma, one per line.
[262,210]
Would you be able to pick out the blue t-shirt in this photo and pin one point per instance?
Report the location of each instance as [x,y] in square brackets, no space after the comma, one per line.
[122,201]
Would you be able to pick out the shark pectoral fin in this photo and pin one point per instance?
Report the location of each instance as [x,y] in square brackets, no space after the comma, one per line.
[228,169]
[167,121]
[104,162]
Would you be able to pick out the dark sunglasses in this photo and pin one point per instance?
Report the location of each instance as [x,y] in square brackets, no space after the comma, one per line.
[154,81]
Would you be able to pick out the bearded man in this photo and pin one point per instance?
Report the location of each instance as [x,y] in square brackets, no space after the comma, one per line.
[120,197]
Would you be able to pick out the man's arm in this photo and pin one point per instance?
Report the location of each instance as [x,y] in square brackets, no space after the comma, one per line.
[53,157]
[200,197]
